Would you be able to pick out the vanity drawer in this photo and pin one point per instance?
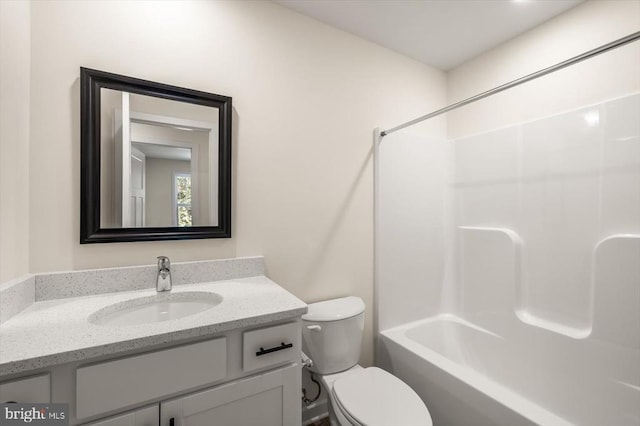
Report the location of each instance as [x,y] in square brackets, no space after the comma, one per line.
[36,389]
[271,346]
[148,416]
[115,385]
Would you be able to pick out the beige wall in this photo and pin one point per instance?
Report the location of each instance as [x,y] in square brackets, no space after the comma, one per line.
[585,27]
[14,138]
[306,99]
[170,108]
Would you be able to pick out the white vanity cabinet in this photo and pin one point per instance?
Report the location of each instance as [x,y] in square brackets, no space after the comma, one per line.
[243,377]
[267,399]
[115,384]
[148,416]
[237,363]
[28,389]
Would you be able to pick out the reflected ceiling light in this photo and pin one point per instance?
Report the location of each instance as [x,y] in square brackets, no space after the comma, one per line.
[592,118]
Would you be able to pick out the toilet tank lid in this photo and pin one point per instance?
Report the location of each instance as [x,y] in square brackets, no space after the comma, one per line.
[335,309]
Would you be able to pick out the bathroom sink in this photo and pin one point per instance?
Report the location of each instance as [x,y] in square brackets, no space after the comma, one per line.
[157,308]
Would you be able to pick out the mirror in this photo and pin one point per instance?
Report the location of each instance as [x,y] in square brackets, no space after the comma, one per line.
[156,161]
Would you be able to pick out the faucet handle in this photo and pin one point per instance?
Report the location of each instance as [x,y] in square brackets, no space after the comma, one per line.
[163,262]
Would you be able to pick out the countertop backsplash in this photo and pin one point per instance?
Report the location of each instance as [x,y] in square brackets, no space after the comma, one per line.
[19,294]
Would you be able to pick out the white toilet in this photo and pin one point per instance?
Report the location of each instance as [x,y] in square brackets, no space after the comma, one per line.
[331,337]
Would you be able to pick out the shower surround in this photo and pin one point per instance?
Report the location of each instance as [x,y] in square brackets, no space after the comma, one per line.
[508,268]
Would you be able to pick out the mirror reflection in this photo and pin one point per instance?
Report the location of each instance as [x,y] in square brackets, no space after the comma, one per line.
[159,162]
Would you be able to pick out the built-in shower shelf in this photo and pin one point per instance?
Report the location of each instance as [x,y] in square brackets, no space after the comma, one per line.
[510,233]
[556,327]
[492,284]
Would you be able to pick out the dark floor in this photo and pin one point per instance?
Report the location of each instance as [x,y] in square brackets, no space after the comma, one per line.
[322,422]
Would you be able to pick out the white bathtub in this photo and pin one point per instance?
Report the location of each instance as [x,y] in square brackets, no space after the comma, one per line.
[511,374]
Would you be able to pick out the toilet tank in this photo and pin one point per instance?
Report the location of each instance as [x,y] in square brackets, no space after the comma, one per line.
[332,334]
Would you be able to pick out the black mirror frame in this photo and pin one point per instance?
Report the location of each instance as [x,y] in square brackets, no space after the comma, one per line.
[91,81]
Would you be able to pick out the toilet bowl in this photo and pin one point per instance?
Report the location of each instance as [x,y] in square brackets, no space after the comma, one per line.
[373,397]
[332,336]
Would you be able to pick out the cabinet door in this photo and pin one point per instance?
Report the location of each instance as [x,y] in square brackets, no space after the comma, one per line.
[267,399]
[35,389]
[119,384]
[148,416]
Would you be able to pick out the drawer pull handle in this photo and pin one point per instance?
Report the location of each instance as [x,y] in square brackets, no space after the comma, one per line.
[172,421]
[282,346]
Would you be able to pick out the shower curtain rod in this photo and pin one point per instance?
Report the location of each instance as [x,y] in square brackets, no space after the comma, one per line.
[591,53]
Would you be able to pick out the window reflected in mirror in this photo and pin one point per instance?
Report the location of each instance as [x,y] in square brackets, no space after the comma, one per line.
[182,199]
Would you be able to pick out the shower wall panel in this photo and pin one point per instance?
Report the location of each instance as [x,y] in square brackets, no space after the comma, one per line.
[410,227]
[566,189]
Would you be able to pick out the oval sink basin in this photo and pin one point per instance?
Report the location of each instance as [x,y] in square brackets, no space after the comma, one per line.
[157,308]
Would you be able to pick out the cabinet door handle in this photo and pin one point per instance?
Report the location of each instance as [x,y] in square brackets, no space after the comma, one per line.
[282,346]
[172,422]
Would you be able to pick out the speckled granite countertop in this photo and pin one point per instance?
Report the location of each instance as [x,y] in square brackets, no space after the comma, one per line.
[55,332]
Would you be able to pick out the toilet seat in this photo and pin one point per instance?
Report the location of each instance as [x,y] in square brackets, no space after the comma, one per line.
[373,397]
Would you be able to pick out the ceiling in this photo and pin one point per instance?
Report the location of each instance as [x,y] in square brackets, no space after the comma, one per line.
[440,33]
[165,152]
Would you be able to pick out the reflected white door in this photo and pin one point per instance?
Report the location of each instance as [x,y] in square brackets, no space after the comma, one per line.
[137,189]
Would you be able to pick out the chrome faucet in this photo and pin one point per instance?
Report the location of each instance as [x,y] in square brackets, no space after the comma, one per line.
[163,281]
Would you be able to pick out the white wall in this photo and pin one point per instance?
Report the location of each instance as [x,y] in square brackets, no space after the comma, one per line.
[15,63]
[411,242]
[306,98]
